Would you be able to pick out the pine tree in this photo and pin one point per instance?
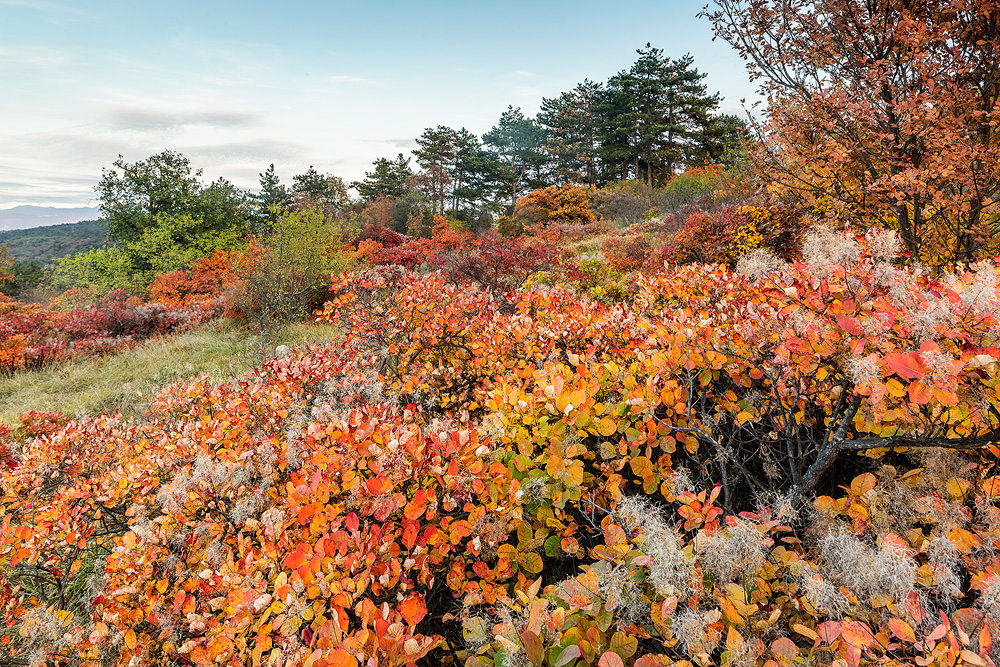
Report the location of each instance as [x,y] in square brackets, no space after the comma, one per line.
[273,198]
[571,128]
[516,141]
[387,179]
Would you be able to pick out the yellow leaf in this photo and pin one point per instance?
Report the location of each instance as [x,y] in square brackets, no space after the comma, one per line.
[130,639]
[606,427]
[895,387]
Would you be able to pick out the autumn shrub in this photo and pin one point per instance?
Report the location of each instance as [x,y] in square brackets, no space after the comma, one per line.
[626,252]
[31,337]
[601,281]
[383,236]
[508,226]
[794,464]
[625,201]
[723,235]
[206,279]
[567,204]
[497,263]
[284,275]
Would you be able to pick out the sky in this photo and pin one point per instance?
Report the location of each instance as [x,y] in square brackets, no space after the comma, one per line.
[236,86]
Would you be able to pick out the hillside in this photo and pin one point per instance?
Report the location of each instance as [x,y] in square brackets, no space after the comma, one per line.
[44,244]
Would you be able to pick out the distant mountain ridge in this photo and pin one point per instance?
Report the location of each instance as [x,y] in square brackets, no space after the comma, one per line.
[27,216]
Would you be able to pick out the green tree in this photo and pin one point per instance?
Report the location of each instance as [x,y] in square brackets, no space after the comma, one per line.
[726,140]
[570,122]
[656,118]
[6,262]
[326,191]
[690,116]
[437,153]
[27,276]
[516,143]
[389,179]
[273,198]
[159,216]
[131,195]
[617,137]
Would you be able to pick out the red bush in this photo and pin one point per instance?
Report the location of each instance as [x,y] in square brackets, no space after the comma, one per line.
[31,338]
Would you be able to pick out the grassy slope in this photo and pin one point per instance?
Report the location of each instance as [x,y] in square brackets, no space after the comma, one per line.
[129,379]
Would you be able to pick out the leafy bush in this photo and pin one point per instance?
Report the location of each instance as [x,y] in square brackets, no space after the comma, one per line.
[566,203]
[285,274]
[206,280]
[31,337]
[792,464]
[723,235]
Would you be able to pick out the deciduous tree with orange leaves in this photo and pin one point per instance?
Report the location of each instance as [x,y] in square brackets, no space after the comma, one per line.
[880,112]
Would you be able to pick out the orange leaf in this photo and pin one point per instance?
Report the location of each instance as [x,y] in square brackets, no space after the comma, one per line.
[610,659]
[857,634]
[295,559]
[784,647]
[963,540]
[306,513]
[902,629]
[338,657]
[413,609]
[130,639]
[920,393]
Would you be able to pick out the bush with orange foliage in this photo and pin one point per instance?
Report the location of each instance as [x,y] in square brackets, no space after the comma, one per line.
[708,472]
[207,279]
[558,203]
[723,235]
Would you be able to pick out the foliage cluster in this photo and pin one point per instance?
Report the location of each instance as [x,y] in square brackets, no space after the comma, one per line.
[632,201]
[529,476]
[897,129]
[494,262]
[710,234]
[567,204]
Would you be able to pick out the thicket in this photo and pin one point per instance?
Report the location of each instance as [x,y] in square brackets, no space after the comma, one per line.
[790,463]
[32,336]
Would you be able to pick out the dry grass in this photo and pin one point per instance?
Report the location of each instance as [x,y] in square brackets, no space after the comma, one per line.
[126,381]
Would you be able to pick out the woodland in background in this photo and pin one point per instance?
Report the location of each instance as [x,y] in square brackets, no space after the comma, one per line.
[641,411]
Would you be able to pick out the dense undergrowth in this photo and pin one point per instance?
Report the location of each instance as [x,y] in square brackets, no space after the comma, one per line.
[792,463]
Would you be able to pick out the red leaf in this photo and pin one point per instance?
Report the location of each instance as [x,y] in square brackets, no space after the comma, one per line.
[828,631]
[850,325]
[904,365]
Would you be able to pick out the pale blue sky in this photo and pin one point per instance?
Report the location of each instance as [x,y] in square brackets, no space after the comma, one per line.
[238,85]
